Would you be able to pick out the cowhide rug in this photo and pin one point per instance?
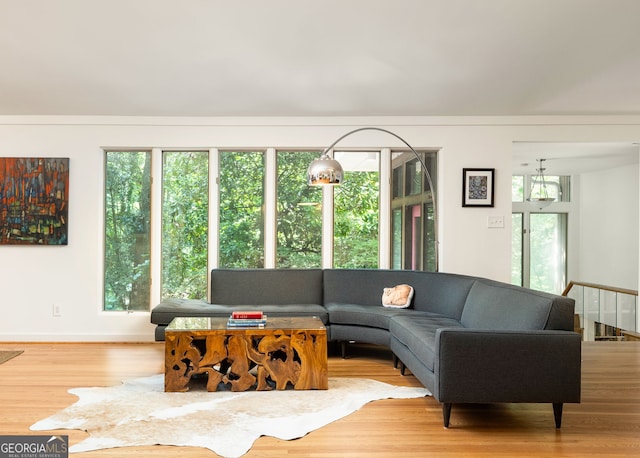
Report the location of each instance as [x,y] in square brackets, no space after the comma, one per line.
[139,412]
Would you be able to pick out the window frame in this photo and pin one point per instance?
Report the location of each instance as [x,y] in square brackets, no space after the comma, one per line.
[270,219]
[563,206]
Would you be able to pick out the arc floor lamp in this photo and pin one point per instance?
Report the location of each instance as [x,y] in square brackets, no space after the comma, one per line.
[326,171]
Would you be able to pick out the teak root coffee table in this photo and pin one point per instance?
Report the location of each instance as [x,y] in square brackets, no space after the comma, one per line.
[291,350]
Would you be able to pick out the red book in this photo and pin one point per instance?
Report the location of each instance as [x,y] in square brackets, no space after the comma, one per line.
[248,315]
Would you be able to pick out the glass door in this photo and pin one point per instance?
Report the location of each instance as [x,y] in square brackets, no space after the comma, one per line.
[548,251]
[539,251]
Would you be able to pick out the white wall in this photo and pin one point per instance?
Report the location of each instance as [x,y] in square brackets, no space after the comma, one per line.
[609,227]
[32,279]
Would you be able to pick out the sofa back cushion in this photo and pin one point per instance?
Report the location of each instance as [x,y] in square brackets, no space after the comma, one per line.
[266,286]
[439,293]
[495,305]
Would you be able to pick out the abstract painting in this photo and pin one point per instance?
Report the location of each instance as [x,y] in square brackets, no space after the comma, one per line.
[34,200]
[477,187]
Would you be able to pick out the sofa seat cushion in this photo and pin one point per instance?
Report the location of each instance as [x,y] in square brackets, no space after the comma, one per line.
[374,316]
[170,308]
[418,334]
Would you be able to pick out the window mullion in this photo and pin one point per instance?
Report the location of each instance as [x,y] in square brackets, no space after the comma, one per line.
[327,226]
[384,209]
[214,215]
[156,227]
[270,209]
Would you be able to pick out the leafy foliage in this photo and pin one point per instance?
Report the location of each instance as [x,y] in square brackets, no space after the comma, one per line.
[241,209]
[356,221]
[127,216]
[185,221]
[185,215]
[299,213]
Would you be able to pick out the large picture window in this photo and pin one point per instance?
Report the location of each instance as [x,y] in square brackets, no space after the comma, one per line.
[356,210]
[413,231]
[241,209]
[127,278]
[299,209]
[185,220]
[171,216]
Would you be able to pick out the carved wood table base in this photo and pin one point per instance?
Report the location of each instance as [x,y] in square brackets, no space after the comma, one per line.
[286,352]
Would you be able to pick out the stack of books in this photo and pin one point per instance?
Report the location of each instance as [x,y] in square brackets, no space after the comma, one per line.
[249,319]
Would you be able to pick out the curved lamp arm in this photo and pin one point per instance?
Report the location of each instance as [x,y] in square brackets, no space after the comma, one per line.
[328,171]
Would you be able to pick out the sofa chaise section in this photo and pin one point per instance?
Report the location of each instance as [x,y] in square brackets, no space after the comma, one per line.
[276,292]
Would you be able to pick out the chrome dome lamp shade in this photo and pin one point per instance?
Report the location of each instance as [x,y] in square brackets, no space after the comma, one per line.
[324,171]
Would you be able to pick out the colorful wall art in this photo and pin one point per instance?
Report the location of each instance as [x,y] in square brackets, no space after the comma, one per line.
[34,201]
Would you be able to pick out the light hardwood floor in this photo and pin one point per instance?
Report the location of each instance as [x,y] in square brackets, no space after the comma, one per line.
[606,423]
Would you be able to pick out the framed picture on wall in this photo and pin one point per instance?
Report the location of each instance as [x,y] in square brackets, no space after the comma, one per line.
[34,200]
[477,187]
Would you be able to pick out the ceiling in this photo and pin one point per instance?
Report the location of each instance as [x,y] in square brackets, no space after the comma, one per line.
[568,158]
[319,58]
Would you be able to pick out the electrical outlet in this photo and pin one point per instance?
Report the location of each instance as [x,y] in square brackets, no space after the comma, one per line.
[57,310]
[495,221]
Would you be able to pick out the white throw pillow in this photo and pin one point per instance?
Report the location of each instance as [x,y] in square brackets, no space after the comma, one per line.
[399,296]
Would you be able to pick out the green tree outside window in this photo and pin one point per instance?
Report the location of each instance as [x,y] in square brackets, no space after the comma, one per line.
[185,220]
[299,213]
[241,209]
[127,278]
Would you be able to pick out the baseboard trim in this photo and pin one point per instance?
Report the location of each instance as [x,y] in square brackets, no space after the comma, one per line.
[116,338]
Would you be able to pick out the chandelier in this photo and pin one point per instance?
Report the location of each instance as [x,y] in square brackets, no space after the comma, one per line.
[539,195]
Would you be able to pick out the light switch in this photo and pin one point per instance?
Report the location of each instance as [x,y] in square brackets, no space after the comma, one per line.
[495,221]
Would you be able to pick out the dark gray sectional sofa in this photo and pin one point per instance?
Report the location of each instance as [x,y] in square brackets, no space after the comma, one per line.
[467,339]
